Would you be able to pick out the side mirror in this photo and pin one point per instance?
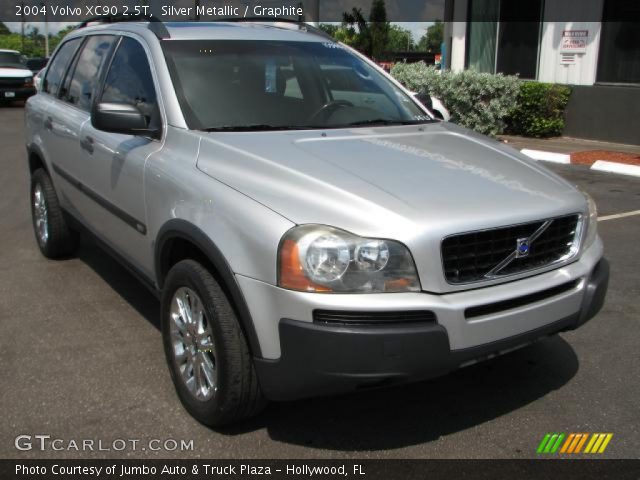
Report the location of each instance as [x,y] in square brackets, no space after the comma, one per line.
[120,118]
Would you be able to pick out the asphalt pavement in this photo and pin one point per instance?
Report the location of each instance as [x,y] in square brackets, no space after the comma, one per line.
[81,359]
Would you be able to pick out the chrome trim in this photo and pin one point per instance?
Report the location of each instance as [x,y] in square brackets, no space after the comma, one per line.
[576,247]
[493,273]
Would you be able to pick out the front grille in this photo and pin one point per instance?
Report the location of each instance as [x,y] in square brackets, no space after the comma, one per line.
[475,256]
[11,82]
[333,317]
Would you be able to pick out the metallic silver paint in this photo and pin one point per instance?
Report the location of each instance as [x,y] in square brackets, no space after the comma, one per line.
[413,184]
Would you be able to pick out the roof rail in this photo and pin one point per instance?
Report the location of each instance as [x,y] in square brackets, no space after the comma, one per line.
[302,25]
[155,25]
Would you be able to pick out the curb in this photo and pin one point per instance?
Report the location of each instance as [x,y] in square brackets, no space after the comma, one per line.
[547,156]
[613,167]
[598,165]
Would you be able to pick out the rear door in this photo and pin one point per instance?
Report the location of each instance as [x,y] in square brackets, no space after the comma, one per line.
[40,116]
[67,113]
[115,163]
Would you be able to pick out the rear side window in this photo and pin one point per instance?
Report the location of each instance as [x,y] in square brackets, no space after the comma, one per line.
[84,80]
[59,64]
[129,80]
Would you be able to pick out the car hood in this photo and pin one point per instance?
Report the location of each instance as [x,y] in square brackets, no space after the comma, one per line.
[388,182]
[8,72]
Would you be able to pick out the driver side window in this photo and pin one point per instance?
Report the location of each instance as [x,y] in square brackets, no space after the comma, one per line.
[130,81]
[83,83]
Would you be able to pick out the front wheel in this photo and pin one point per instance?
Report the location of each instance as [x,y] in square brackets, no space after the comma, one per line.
[55,238]
[207,353]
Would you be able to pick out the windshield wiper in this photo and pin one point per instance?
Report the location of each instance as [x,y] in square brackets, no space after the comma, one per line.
[385,122]
[259,127]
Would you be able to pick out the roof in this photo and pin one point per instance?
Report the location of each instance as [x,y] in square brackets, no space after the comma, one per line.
[226,30]
[8,51]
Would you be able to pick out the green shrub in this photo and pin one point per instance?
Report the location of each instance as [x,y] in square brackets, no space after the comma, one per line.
[480,101]
[540,110]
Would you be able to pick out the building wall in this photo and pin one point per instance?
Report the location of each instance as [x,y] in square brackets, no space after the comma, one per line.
[459,36]
[603,112]
[583,71]
[550,69]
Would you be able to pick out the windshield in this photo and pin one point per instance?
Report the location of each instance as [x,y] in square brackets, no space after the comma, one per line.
[262,85]
[11,59]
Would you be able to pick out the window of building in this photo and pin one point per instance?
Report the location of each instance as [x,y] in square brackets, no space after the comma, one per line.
[619,57]
[504,36]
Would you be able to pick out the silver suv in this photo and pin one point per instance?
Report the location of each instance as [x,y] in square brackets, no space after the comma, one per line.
[309,227]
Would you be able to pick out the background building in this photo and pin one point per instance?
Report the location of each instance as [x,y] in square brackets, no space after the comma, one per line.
[593,45]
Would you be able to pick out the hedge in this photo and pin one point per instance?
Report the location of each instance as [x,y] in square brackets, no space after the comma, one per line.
[479,101]
[540,110]
[490,104]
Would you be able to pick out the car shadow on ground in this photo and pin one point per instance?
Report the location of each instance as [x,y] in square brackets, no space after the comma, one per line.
[414,414]
[387,418]
[121,280]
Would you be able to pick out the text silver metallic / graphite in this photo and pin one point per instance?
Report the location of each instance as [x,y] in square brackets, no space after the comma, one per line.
[230,11]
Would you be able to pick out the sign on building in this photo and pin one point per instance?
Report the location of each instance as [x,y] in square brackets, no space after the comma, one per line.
[574,41]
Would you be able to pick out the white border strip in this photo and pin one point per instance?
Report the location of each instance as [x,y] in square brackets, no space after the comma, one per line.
[619,215]
[547,156]
[613,167]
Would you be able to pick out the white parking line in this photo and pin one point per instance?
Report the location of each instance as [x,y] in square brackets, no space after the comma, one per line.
[619,215]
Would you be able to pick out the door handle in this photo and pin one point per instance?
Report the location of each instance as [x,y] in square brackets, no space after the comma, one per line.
[48,123]
[87,144]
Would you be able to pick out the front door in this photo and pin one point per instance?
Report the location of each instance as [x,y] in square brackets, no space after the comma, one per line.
[116,162]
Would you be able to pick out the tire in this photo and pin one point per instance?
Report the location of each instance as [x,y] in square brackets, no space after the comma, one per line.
[214,344]
[55,238]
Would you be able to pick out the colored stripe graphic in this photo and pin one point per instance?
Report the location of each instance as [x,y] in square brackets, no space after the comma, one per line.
[567,443]
[598,442]
[550,443]
[581,443]
[543,443]
[572,443]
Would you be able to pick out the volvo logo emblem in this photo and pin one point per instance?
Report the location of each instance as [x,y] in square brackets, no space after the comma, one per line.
[523,247]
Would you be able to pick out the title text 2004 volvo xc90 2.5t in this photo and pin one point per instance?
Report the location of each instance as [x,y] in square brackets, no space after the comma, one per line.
[309,226]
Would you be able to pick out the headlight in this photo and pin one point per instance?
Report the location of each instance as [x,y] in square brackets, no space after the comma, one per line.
[591,221]
[315,258]
[28,82]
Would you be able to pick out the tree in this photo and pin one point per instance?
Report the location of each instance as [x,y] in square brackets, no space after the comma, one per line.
[57,38]
[378,28]
[356,31]
[400,39]
[329,29]
[33,41]
[370,37]
[3,29]
[432,40]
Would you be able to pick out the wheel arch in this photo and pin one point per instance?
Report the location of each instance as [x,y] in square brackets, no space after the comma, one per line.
[35,159]
[178,240]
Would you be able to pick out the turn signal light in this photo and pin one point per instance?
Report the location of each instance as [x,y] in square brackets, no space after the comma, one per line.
[292,274]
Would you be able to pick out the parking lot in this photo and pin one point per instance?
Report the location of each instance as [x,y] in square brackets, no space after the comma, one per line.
[82,358]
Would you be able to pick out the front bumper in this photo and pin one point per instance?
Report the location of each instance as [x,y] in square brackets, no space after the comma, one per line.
[18,93]
[320,360]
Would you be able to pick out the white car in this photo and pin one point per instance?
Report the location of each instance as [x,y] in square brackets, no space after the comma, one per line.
[434,104]
[16,80]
